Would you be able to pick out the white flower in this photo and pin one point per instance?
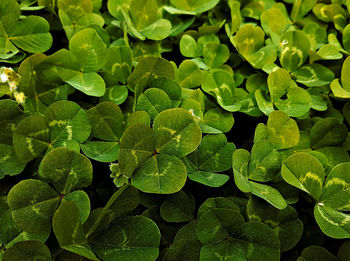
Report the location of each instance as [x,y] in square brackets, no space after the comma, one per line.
[3,77]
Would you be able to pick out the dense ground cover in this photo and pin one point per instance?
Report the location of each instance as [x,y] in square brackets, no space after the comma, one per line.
[174,130]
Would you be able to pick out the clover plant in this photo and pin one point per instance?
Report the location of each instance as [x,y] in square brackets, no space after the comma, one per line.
[209,130]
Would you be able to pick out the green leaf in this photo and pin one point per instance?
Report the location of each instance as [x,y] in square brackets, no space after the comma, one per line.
[335,193]
[214,153]
[107,121]
[148,69]
[265,162]
[117,94]
[218,202]
[68,230]
[209,179]
[33,203]
[66,169]
[101,150]
[161,174]
[295,46]
[89,50]
[284,223]
[9,162]
[216,121]
[183,249]
[313,75]
[221,85]
[178,207]
[9,12]
[118,63]
[120,242]
[67,121]
[27,250]
[153,101]
[327,132]
[304,172]
[10,117]
[189,75]
[176,132]
[332,222]
[82,201]
[31,138]
[136,146]
[316,253]
[301,8]
[31,34]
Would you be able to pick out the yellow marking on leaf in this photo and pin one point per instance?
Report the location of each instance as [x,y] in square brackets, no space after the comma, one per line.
[312,176]
[69,132]
[293,50]
[35,134]
[171,131]
[326,217]
[337,181]
[36,210]
[6,157]
[60,123]
[133,153]
[30,146]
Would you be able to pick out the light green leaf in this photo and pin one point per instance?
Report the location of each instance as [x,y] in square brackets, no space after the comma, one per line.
[278,82]
[313,75]
[101,150]
[33,203]
[197,7]
[176,132]
[89,49]
[161,174]
[295,46]
[9,12]
[66,169]
[282,131]
[215,54]
[249,39]
[31,34]
[158,30]
[345,74]
[117,94]
[304,172]
[335,192]
[209,179]
[332,222]
[188,46]
[89,83]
